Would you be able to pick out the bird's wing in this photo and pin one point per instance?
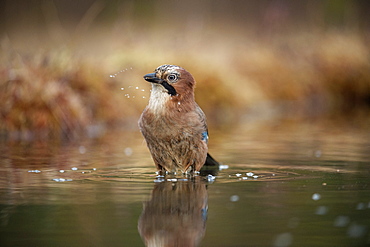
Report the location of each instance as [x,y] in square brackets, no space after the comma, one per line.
[203,120]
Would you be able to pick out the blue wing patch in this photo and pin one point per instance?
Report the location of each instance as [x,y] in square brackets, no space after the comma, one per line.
[204,212]
[205,136]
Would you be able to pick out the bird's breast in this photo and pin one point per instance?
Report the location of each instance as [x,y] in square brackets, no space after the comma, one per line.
[170,124]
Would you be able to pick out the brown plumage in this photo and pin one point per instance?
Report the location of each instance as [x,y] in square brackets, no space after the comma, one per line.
[175,215]
[173,124]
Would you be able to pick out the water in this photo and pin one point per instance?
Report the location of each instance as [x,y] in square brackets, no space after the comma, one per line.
[119,72]
[280,186]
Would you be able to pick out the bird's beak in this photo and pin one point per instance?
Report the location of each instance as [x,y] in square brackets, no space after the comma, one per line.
[151,77]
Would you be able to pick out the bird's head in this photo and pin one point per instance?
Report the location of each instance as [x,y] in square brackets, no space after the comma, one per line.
[172,80]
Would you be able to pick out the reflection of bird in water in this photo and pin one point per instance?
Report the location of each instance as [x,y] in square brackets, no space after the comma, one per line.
[173,124]
[175,215]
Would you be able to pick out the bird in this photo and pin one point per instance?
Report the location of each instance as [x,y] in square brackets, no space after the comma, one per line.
[173,125]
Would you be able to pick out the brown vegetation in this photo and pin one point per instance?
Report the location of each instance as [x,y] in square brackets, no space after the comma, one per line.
[55,87]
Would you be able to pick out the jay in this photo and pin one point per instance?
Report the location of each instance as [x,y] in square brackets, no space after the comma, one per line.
[173,124]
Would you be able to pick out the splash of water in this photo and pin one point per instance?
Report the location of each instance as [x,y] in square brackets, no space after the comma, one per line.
[119,72]
[130,87]
[129,92]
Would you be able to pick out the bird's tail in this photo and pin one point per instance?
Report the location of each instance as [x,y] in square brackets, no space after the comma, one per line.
[210,161]
[210,167]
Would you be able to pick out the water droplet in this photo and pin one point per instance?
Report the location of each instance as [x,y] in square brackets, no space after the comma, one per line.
[136,87]
[144,97]
[121,71]
[283,239]
[341,221]
[222,167]
[61,171]
[321,210]
[143,90]
[122,88]
[356,230]
[238,174]
[249,174]
[211,178]
[158,180]
[61,180]
[316,197]
[361,206]
[74,168]
[234,198]
[35,171]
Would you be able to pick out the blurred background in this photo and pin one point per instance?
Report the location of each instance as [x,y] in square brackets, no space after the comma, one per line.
[71,68]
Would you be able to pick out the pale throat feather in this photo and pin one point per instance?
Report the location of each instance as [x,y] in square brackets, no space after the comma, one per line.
[158,99]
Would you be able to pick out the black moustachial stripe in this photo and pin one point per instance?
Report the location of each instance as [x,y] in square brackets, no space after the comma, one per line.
[154,79]
[171,90]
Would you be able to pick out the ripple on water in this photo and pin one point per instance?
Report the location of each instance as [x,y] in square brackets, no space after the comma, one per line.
[235,173]
[225,174]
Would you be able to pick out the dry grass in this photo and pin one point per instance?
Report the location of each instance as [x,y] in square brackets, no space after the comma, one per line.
[56,91]
[54,94]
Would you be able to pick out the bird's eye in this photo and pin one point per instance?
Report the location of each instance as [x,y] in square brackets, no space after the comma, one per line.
[172,77]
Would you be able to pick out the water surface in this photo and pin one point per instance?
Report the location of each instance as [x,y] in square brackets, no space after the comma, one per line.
[299,185]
